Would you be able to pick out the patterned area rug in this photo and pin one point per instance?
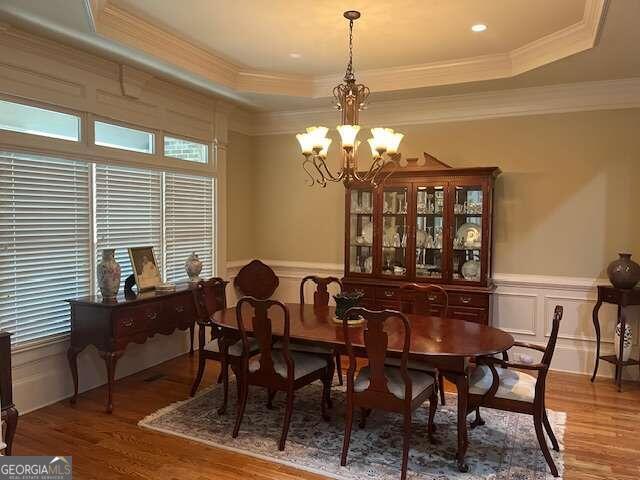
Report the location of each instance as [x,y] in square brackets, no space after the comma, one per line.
[504,449]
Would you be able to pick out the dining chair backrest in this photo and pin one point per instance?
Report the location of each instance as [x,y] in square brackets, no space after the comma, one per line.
[256,279]
[427,298]
[321,294]
[553,338]
[263,332]
[376,340]
[210,297]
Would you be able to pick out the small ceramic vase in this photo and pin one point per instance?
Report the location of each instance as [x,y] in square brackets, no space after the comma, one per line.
[108,273]
[628,337]
[624,272]
[193,266]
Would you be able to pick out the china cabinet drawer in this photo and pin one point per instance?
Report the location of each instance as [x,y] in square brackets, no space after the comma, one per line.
[388,293]
[477,315]
[468,300]
[135,319]
[366,289]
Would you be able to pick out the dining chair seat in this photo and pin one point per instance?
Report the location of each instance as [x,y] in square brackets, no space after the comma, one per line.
[234,349]
[305,348]
[514,385]
[413,365]
[420,381]
[303,364]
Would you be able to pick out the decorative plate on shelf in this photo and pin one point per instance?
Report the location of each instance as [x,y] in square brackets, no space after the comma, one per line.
[471,270]
[469,235]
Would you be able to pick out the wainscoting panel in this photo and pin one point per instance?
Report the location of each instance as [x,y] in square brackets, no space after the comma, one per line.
[523,306]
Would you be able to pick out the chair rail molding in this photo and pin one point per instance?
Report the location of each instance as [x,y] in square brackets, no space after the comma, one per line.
[523,306]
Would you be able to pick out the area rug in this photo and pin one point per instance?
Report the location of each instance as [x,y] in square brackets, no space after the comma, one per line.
[504,449]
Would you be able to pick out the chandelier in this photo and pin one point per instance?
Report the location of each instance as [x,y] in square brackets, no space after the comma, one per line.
[350,98]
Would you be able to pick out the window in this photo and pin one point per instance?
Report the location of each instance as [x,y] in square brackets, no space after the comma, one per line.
[186,150]
[115,136]
[17,117]
[188,223]
[44,243]
[128,212]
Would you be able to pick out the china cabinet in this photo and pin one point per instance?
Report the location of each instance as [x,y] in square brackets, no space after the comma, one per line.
[424,225]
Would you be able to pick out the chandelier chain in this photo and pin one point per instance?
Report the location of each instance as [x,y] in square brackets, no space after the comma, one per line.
[348,76]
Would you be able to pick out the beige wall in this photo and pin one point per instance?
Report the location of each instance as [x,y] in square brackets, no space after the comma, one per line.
[240,196]
[565,203]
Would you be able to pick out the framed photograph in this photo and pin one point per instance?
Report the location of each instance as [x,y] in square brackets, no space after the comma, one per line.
[145,268]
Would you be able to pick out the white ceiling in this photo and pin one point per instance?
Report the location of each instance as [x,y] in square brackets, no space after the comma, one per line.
[261,34]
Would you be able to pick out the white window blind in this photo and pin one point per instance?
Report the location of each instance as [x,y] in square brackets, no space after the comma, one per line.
[188,223]
[44,243]
[128,212]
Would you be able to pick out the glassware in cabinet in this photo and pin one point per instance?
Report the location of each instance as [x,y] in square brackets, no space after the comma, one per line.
[395,231]
[430,231]
[468,225]
[361,231]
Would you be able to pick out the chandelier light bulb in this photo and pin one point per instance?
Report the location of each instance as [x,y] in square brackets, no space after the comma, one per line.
[348,134]
[306,143]
[317,134]
[325,147]
[394,143]
[377,147]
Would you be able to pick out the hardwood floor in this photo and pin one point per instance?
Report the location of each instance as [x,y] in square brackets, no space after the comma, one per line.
[602,439]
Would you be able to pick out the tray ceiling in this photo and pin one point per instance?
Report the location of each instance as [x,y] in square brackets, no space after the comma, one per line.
[241,49]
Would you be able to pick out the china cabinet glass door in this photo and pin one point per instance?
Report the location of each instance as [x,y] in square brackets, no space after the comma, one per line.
[395,230]
[430,232]
[468,225]
[361,231]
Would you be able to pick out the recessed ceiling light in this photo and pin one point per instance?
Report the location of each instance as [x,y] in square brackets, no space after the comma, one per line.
[295,55]
[479,27]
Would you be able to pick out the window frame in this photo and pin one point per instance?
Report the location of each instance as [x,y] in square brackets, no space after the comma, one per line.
[116,123]
[208,147]
[85,150]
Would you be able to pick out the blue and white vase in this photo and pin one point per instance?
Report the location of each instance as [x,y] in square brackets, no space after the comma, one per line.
[628,337]
[108,273]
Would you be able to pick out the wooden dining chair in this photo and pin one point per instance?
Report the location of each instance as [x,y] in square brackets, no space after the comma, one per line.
[277,370]
[210,297]
[321,299]
[256,279]
[495,384]
[431,300]
[385,387]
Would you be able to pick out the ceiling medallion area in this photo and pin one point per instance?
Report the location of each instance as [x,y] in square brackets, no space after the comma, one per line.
[351,98]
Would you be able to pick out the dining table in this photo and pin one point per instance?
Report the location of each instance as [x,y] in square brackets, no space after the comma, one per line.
[447,344]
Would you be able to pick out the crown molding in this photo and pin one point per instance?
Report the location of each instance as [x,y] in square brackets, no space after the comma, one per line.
[575,97]
[116,23]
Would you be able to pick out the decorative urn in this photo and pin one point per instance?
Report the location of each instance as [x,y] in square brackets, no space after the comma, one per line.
[108,273]
[624,272]
[345,301]
[193,266]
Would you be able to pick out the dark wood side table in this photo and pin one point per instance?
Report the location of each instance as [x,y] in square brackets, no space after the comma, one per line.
[111,325]
[9,411]
[622,298]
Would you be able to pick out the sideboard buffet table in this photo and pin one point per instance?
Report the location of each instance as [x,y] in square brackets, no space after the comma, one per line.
[111,325]
[9,411]
[622,298]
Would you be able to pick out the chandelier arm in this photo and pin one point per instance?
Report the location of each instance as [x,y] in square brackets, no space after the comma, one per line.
[327,174]
[395,164]
[311,180]
[322,180]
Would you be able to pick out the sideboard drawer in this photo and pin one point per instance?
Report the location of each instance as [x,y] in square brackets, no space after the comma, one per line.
[135,319]
[477,315]
[468,300]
